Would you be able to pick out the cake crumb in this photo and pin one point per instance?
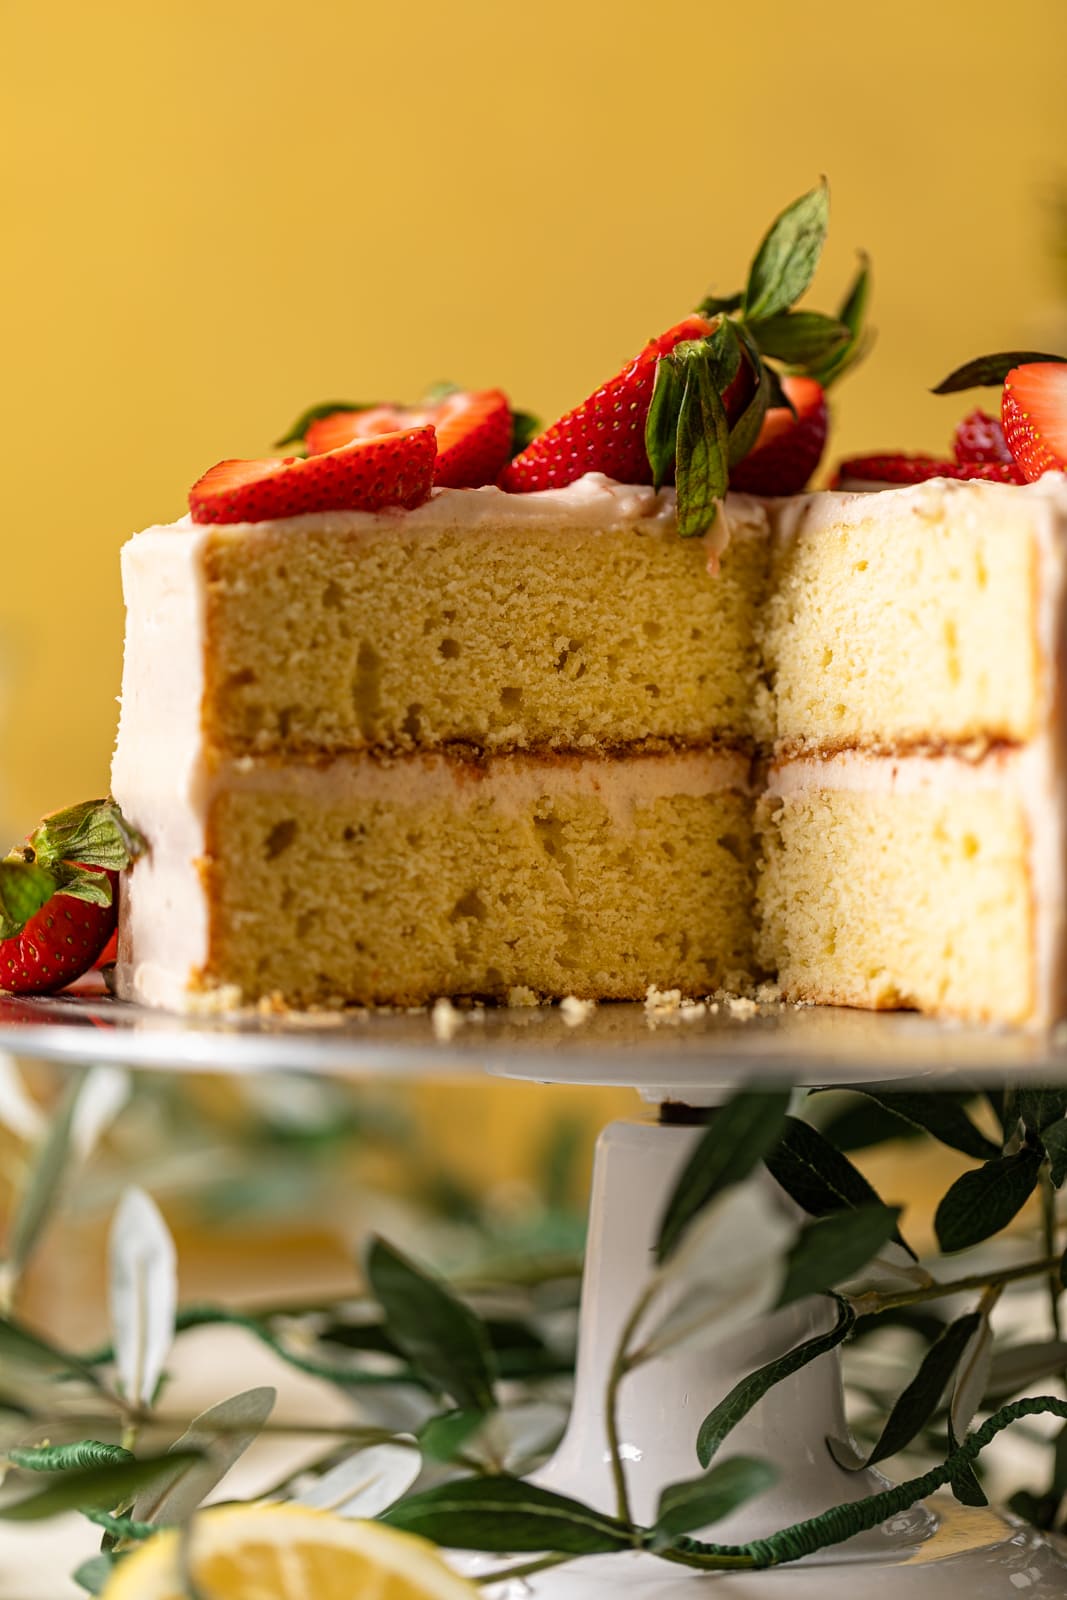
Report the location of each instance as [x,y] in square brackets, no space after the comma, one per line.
[575,1011]
[739,1005]
[768,994]
[691,1009]
[446,1020]
[519,995]
[660,1001]
[214,1002]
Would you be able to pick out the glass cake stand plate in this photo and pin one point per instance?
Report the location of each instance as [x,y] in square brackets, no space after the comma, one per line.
[666,1053]
[695,1058]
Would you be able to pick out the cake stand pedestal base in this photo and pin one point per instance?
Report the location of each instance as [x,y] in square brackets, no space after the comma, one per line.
[926,1553]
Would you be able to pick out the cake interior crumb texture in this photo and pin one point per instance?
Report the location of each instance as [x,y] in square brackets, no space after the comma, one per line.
[397,901]
[513,639]
[287,686]
[880,900]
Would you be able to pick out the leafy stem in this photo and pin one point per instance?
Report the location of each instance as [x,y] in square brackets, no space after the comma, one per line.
[873,1302]
[623,1363]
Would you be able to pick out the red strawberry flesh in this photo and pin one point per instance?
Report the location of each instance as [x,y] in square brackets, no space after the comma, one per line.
[390,469]
[473,433]
[789,448]
[878,471]
[1033,411]
[606,433]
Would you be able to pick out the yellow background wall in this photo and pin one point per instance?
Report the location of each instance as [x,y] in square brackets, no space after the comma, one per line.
[216,211]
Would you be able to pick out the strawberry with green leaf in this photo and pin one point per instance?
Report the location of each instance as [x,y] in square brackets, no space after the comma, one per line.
[58,896]
[711,404]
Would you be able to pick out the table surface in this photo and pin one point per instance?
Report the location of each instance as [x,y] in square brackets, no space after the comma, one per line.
[668,1052]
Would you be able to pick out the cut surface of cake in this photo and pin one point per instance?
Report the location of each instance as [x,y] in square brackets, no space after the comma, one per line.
[893,660]
[500,741]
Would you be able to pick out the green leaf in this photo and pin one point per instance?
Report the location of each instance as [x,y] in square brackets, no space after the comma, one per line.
[964,1481]
[443,1437]
[24,889]
[21,1348]
[1054,1138]
[802,338]
[852,313]
[720,1422]
[834,1248]
[987,372]
[819,1178]
[924,1394]
[65,1457]
[661,424]
[44,1179]
[698,1502]
[93,1574]
[92,887]
[94,834]
[325,408]
[717,305]
[203,1455]
[721,349]
[941,1115]
[786,260]
[97,1487]
[701,471]
[507,1515]
[1040,1106]
[982,1202]
[438,1333]
[524,429]
[746,430]
[738,1137]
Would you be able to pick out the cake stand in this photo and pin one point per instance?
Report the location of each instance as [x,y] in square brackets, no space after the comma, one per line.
[684,1060]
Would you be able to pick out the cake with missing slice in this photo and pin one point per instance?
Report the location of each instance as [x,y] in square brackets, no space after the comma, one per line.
[397,725]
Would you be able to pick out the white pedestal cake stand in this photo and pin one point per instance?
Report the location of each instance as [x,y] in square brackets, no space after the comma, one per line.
[931,1552]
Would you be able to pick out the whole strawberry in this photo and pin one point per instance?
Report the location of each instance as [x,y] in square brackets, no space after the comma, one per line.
[708,404]
[58,896]
[606,432]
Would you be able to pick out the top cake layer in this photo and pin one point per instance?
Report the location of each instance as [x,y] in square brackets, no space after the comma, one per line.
[914,617]
[574,619]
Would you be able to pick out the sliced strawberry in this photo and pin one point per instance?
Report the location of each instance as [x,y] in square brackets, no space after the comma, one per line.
[877,471]
[980,437]
[473,433]
[1033,410]
[390,469]
[789,447]
[59,896]
[606,433]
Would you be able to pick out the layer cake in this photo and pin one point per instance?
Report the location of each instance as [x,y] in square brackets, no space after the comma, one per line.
[531,740]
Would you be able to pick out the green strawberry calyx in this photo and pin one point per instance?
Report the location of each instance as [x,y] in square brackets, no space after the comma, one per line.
[688,430]
[58,857]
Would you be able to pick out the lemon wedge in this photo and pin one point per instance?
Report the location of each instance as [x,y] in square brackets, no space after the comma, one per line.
[288,1552]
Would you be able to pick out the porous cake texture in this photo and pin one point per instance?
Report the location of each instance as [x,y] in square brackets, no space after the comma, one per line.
[434,875]
[533,741]
[499,741]
[527,632]
[907,882]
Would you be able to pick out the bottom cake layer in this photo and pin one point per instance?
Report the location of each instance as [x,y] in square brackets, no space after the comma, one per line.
[926,881]
[370,882]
